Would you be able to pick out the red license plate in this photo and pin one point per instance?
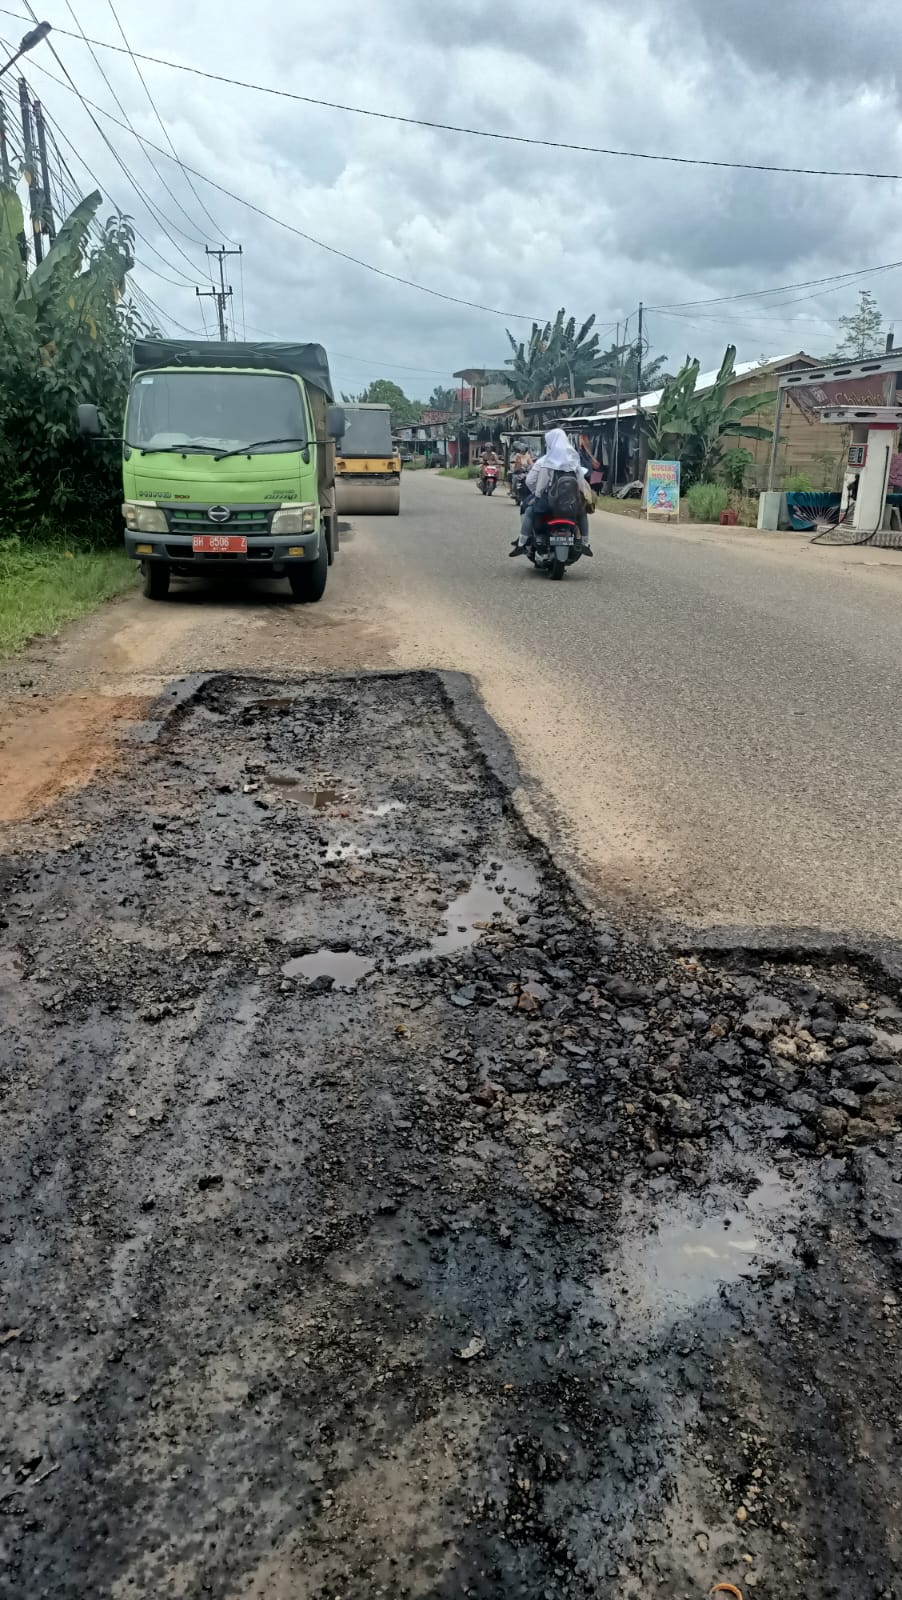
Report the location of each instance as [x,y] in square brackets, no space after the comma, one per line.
[214,544]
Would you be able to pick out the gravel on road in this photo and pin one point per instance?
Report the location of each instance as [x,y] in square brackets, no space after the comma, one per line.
[706,721]
[375,1221]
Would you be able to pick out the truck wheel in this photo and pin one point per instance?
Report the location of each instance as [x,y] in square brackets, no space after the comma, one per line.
[155,576]
[309,581]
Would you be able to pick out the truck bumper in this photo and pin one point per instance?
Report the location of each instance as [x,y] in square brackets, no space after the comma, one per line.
[265,556]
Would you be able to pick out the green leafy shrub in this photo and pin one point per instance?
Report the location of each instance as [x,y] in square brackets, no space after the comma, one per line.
[706,501]
[800,483]
[67,331]
[734,466]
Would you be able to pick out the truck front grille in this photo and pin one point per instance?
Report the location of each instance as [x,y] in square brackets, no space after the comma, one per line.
[249,520]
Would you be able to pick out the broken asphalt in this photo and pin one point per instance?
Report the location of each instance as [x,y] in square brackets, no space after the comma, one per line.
[377,1221]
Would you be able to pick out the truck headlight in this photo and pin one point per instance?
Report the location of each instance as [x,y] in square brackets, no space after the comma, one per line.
[295,519]
[142,516]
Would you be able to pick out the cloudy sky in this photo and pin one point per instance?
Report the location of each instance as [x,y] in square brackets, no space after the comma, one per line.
[518,229]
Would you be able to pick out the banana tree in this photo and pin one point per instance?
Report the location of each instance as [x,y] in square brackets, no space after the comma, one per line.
[673,421]
[67,331]
[557,359]
[529,371]
[695,426]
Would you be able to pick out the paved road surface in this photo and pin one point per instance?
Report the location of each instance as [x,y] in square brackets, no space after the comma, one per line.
[715,717]
[710,721]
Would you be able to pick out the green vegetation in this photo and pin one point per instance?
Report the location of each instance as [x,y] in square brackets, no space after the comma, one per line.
[734,467]
[620,508]
[799,484]
[43,585]
[561,359]
[67,335]
[458,472]
[692,428]
[706,501]
[381,392]
[444,399]
[862,332]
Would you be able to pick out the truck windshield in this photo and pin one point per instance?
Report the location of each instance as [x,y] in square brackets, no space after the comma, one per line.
[215,410]
[367,433]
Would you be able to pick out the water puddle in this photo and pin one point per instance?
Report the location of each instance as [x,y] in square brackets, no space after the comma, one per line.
[344,967]
[498,895]
[347,852]
[700,1247]
[316,799]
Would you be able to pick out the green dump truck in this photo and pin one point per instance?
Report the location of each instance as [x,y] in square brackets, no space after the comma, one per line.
[229,462]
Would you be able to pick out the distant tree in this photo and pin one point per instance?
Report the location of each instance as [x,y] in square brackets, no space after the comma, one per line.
[443,399]
[381,392]
[862,331]
[559,359]
[620,363]
[529,371]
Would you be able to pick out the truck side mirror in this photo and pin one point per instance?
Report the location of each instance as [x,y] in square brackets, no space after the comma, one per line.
[89,423]
[335,422]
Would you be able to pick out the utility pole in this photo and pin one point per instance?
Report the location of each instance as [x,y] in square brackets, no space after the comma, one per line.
[224,292]
[34,200]
[614,473]
[639,392]
[47,223]
[4,149]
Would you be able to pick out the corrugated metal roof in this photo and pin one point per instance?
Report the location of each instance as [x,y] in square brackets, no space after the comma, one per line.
[705,380]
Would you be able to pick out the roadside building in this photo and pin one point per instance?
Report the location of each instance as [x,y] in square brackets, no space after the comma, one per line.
[807,445]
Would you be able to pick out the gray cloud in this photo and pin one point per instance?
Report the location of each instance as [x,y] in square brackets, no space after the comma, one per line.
[522,229]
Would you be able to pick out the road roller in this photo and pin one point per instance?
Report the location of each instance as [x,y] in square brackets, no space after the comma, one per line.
[367,466]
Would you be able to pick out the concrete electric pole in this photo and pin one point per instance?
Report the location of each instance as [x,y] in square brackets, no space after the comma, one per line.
[224,292]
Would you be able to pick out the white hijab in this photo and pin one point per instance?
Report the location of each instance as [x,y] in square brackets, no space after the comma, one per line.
[560,455]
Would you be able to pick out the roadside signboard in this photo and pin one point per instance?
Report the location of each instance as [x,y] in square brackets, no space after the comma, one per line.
[662,489]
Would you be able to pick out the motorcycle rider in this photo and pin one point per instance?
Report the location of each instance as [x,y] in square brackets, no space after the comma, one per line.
[488,459]
[559,456]
[520,465]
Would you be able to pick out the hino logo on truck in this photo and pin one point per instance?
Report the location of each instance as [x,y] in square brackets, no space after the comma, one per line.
[219,513]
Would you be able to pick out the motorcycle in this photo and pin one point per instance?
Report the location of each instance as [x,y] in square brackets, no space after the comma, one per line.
[517,486]
[556,545]
[488,479]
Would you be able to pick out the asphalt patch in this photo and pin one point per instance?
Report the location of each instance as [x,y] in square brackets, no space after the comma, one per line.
[374,1222]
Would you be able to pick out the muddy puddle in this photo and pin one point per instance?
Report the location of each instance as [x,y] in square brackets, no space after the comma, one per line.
[344,967]
[499,895]
[698,1247]
[372,1224]
[314,799]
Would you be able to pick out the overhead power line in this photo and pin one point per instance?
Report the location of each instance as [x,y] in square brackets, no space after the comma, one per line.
[833,278]
[125,170]
[750,294]
[481,133]
[191,237]
[216,228]
[393,277]
[76,156]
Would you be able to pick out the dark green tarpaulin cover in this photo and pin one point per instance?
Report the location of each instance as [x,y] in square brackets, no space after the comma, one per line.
[307,361]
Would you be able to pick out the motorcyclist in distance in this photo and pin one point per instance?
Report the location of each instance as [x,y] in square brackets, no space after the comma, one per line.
[559,456]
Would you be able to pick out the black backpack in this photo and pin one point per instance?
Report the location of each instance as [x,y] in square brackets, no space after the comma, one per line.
[564,496]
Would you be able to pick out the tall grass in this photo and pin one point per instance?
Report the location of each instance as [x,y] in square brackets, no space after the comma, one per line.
[706,501]
[44,585]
